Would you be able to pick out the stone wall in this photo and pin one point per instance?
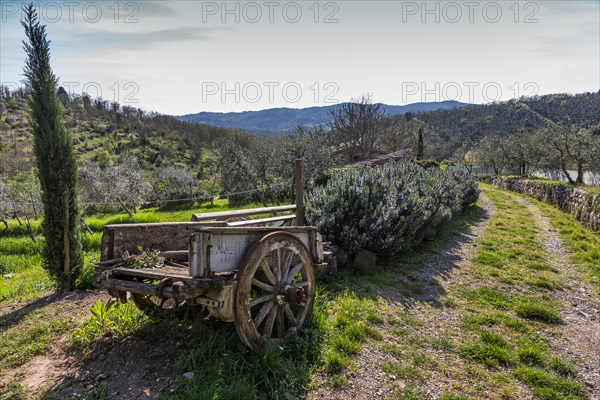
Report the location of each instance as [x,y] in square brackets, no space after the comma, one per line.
[584,206]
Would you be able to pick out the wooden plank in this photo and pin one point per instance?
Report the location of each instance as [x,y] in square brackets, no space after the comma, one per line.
[133,287]
[179,255]
[222,249]
[262,221]
[262,230]
[184,289]
[223,215]
[153,273]
[165,237]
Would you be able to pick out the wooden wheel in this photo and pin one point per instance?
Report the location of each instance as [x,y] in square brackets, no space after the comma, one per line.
[275,290]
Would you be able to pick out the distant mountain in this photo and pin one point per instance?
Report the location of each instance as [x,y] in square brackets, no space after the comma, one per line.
[448,130]
[277,121]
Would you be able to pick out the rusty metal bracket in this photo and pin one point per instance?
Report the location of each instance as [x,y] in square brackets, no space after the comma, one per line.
[161,286]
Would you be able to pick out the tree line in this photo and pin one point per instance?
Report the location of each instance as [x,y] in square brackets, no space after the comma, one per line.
[555,147]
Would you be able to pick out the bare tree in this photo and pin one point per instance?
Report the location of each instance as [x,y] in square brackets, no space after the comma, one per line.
[357,127]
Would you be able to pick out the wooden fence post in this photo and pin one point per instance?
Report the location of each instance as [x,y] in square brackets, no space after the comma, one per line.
[299,183]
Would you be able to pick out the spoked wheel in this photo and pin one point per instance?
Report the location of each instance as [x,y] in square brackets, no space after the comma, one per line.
[275,290]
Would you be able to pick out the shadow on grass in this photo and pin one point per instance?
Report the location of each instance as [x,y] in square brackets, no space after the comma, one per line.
[414,276]
[173,358]
[14,317]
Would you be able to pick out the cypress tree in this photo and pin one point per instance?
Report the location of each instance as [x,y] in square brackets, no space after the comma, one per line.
[420,144]
[55,158]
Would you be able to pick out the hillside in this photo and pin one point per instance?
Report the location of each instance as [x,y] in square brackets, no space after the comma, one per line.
[104,131]
[448,130]
[278,121]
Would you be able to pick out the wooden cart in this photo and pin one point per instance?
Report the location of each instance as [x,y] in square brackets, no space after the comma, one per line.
[262,278]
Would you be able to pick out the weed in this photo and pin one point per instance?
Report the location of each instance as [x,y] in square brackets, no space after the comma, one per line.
[562,367]
[538,311]
[546,384]
[545,283]
[442,343]
[421,359]
[531,356]
[452,396]
[449,302]
[490,355]
[409,393]
[108,319]
[399,370]
[493,339]
[338,380]
[541,266]
[496,298]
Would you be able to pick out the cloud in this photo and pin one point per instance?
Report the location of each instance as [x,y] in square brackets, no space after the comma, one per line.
[583,40]
[149,39]
[155,9]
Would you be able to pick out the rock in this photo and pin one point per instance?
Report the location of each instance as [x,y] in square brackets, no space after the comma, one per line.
[101,376]
[583,314]
[365,258]
[188,375]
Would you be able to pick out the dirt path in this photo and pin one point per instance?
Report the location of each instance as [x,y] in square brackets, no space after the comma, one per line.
[55,364]
[448,272]
[581,331]
[367,381]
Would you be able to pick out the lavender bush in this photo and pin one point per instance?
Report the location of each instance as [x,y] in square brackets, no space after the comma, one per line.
[387,209]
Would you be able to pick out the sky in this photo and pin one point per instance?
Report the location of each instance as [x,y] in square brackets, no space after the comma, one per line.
[181,57]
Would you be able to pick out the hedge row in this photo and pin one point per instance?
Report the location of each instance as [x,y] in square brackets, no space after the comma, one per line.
[581,204]
[387,209]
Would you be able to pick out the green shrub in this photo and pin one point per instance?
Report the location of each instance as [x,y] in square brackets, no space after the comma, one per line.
[387,209]
[429,163]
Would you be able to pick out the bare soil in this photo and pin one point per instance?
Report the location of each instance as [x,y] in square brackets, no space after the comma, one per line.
[130,369]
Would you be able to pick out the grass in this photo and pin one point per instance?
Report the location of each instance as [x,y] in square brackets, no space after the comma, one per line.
[22,278]
[502,343]
[539,311]
[222,367]
[507,316]
[349,313]
[583,244]
[19,254]
[507,311]
[32,336]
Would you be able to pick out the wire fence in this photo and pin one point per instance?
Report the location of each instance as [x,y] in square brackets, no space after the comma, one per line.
[164,201]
